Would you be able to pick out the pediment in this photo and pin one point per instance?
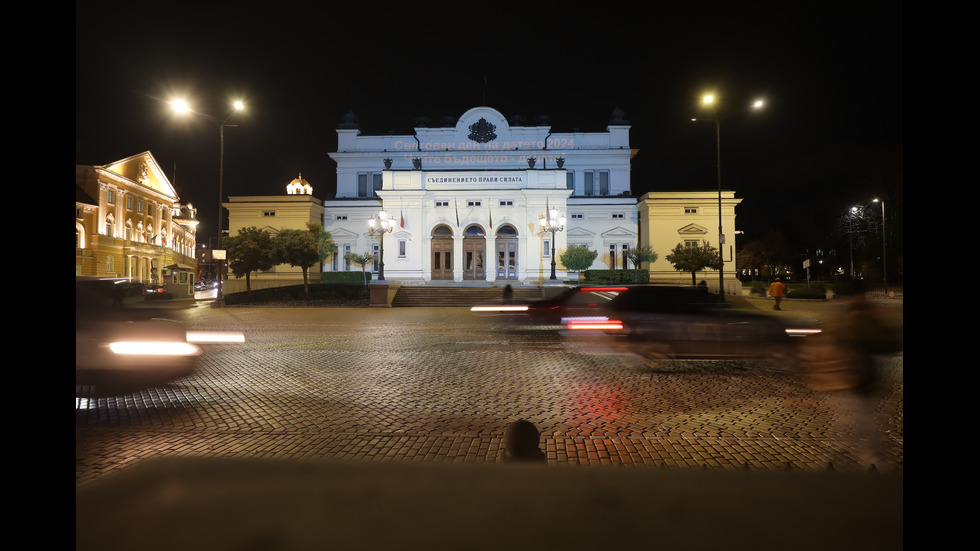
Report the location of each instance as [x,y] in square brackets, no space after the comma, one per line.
[619,232]
[143,170]
[692,229]
[581,232]
[341,233]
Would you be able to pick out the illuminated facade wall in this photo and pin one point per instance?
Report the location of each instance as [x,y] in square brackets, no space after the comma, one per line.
[129,221]
[689,217]
[274,213]
[467,198]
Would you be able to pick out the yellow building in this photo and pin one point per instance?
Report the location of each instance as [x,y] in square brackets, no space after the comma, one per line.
[129,223]
[274,213]
[669,218]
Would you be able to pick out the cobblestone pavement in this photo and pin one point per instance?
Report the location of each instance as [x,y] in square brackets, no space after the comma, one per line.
[441,384]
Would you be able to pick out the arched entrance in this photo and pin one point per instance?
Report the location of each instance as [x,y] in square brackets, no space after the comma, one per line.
[507,249]
[474,253]
[442,253]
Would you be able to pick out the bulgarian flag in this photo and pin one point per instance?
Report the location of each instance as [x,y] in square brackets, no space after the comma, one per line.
[491,216]
[401,216]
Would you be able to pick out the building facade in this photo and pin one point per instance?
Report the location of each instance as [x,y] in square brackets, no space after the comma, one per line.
[467,198]
[273,213]
[668,219]
[129,223]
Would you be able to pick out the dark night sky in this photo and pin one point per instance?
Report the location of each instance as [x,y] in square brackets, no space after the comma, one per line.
[832,79]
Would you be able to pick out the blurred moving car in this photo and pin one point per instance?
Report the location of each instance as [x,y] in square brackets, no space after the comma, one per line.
[153,290]
[120,348]
[683,322]
[576,302]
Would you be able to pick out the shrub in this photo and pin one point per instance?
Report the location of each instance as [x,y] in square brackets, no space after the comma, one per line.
[320,295]
[345,278]
[615,276]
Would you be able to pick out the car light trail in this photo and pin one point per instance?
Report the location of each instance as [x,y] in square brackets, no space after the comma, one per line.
[151,348]
[215,336]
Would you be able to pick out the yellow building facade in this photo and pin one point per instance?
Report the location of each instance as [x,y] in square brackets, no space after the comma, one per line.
[669,218]
[129,223]
[272,213]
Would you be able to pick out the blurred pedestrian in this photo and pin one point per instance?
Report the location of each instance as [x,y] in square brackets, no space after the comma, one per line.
[508,294]
[841,360]
[778,291]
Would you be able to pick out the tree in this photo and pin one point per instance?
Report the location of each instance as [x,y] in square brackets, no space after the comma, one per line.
[578,258]
[361,260]
[694,258]
[639,255]
[301,248]
[770,255]
[249,251]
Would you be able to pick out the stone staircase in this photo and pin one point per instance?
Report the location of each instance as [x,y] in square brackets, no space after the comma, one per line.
[458,296]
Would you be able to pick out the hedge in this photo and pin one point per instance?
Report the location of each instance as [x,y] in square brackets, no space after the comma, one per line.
[615,276]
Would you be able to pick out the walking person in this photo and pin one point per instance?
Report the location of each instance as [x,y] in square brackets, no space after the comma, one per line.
[778,291]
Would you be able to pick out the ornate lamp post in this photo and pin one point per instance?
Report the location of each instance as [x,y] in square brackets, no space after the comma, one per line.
[552,223]
[380,225]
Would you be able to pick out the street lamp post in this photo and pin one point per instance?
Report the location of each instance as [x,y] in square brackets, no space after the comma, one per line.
[552,223]
[709,100]
[884,263]
[381,225]
[182,107]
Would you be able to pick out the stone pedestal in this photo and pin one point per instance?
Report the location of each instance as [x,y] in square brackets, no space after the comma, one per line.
[379,294]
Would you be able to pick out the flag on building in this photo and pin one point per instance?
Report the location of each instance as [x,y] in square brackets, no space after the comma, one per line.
[401,217]
[456,203]
[491,216]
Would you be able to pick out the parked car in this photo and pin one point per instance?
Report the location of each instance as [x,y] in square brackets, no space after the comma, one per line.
[120,348]
[575,302]
[681,322]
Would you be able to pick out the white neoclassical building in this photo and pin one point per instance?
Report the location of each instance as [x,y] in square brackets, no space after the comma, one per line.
[467,198]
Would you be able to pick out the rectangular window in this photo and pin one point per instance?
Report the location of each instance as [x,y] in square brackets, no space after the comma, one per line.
[546,248]
[139,206]
[474,203]
[346,261]
[506,203]
[149,209]
[603,182]
[335,259]
[377,180]
[690,210]
[612,256]
[618,216]
[577,216]
[402,248]
[362,185]
[110,197]
[442,203]
[374,251]
[268,213]
[129,202]
[692,243]
[589,177]
[570,181]
[626,250]
[341,217]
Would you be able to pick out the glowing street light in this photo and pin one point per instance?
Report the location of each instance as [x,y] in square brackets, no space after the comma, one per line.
[181,106]
[552,223]
[708,100]
[381,225]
